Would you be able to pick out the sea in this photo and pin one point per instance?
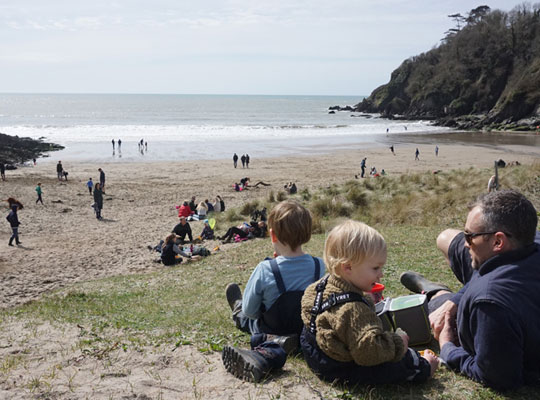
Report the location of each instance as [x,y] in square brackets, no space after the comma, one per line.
[187,127]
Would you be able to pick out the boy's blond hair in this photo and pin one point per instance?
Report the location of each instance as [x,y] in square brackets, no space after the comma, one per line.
[351,242]
[291,223]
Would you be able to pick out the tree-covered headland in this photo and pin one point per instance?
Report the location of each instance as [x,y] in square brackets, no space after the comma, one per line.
[485,73]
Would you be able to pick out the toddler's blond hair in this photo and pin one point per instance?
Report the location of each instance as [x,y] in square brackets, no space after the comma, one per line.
[351,242]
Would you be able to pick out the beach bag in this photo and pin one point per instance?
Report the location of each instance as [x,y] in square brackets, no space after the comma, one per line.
[409,313]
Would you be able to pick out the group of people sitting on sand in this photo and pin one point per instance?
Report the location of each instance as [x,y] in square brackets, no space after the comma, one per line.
[198,212]
[487,331]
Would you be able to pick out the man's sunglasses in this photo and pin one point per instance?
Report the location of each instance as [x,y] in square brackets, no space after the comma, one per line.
[469,236]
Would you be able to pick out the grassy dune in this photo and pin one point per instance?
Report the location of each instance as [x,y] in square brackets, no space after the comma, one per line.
[186,304]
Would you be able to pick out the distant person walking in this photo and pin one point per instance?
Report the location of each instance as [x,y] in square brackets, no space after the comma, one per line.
[363,166]
[436,151]
[417,154]
[235,160]
[98,200]
[13,220]
[113,145]
[35,161]
[3,170]
[90,185]
[392,149]
[243,159]
[59,170]
[247,160]
[119,144]
[39,193]
[101,180]
[145,146]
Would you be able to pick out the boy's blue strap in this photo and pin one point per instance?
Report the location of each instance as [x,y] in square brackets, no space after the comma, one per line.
[277,276]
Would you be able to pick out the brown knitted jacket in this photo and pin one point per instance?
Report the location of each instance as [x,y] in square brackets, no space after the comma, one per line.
[351,331]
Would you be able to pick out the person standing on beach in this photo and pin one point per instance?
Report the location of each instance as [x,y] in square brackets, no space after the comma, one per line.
[98,201]
[417,154]
[2,170]
[113,145]
[235,159]
[247,160]
[145,146]
[119,144]
[39,193]
[13,220]
[436,151]
[90,185]
[363,166]
[59,170]
[243,159]
[101,180]
[392,149]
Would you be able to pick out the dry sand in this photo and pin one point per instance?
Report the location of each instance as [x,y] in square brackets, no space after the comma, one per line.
[64,243]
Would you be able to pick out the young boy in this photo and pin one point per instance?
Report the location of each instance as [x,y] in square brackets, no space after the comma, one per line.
[346,341]
[271,301]
[90,185]
[39,193]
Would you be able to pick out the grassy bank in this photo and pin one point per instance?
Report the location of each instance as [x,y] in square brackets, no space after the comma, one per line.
[186,305]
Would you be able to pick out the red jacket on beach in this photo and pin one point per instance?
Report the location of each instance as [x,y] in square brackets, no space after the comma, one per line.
[184,211]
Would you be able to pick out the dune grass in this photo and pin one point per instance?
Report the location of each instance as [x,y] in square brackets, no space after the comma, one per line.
[186,304]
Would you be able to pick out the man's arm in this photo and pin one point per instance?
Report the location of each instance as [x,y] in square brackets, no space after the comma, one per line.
[189,233]
[498,347]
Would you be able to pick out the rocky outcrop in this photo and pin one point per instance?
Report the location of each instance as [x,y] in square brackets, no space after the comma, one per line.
[14,149]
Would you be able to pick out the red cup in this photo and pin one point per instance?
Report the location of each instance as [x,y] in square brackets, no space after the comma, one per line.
[377,292]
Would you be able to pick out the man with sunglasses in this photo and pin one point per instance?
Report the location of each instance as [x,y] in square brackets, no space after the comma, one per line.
[489,330]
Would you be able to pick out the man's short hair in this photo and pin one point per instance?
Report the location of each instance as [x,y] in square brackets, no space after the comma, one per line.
[510,212]
[351,242]
[291,223]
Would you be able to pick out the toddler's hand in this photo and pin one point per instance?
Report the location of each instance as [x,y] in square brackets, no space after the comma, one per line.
[403,336]
[432,359]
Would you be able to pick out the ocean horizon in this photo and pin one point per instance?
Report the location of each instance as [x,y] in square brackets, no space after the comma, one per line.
[180,127]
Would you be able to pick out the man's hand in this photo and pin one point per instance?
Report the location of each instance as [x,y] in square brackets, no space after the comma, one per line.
[448,332]
[436,318]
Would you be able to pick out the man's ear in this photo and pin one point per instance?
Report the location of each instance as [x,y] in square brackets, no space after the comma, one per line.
[502,243]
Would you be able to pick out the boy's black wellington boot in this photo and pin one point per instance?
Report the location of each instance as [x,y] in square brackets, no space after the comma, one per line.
[10,241]
[418,284]
[234,294]
[248,365]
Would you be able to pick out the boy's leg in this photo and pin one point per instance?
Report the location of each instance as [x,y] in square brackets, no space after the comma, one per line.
[234,298]
[253,365]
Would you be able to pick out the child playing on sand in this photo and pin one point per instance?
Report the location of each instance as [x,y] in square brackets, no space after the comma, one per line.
[271,300]
[39,193]
[207,232]
[345,341]
[169,250]
[90,185]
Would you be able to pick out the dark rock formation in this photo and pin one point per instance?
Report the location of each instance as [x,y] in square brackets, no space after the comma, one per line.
[14,149]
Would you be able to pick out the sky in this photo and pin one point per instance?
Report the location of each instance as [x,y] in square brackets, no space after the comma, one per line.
[274,47]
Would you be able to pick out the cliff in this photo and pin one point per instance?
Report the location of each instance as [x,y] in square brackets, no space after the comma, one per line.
[484,75]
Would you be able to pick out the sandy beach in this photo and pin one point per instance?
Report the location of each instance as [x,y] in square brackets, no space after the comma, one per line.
[63,243]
